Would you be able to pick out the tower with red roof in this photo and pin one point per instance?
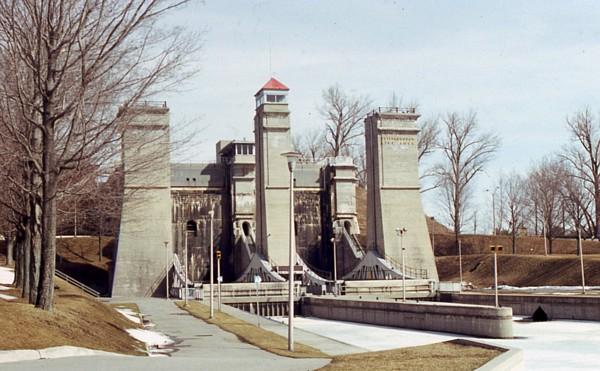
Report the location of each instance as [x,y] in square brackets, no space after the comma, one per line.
[272,138]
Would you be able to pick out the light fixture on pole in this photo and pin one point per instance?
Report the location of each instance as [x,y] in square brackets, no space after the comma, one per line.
[211,215]
[581,259]
[167,268]
[495,249]
[190,226]
[292,158]
[400,232]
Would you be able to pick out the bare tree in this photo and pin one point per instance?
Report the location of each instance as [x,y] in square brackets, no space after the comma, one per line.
[584,156]
[545,184]
[515,200]
[466,151]
[67,65]
[343,114]
[311,144]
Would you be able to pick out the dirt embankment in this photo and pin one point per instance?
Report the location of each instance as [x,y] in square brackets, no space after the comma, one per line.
[445,245]
[77,320]
[521,270]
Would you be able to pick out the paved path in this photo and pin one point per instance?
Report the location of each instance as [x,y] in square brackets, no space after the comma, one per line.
[201,346]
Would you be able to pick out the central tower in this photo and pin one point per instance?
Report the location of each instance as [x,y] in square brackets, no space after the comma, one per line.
[272,138]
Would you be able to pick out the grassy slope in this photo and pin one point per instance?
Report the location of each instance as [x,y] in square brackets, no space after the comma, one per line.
[77,320]
[521,270]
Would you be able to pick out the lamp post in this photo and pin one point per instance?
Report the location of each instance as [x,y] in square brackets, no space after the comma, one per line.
[581,260]
[219,279]
[167,268]
[185,279]
[400,232]
[460,263]
[495,249]
[291,157]
[334,262]
[211,215]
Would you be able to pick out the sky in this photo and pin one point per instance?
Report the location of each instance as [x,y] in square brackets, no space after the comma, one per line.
[523,67]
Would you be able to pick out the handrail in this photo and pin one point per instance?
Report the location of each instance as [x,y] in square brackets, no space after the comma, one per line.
[88,290]
[409,271]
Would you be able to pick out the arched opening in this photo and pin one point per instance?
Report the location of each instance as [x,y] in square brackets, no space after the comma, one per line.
[191,226]
[246,228]
[348,226]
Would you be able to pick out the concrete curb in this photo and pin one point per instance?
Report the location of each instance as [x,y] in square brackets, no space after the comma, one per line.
[51,353]
[512,359]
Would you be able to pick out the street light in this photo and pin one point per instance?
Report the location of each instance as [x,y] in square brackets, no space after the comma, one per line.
[291,157]
[211,215]
[334,261]
[167,268]
[400,232]
[495,249]
[190,226]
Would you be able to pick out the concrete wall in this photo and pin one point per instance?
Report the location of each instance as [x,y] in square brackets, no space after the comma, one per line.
[307,214]
[481,321]
[394,199]
[195,205]
[145,216]
[556,307]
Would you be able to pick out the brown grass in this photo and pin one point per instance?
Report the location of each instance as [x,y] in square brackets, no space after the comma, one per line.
[77,320]
[251,334]
[521,270]
[451,355]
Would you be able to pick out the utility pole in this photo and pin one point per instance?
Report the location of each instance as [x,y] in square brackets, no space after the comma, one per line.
[495,249]
[211,215]
[400,232]
[167,268]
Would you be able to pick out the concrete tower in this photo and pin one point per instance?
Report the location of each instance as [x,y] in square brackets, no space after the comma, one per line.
[272,138]
[393,197]
[146,213]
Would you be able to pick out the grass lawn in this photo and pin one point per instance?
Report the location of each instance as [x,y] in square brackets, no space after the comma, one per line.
[77,320]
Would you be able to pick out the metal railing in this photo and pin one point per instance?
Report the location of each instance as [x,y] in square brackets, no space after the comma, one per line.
[88,290]
[397,109]
[420,273]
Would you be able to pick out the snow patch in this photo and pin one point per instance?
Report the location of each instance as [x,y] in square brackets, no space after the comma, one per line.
[151,338]
[50,353]
[7,297]
[4,288]
[7,276]
[130,315]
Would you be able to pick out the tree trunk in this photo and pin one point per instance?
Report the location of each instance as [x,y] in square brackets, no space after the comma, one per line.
[19,264]
[10,244]
[46,287]
[514,240]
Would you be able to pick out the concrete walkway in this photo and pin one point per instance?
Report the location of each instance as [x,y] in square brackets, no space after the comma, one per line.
[325,344]
[200,346]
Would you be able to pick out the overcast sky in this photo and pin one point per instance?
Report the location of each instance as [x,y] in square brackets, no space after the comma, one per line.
[522,66]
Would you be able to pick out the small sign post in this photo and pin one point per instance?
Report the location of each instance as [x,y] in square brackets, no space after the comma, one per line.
[257,281]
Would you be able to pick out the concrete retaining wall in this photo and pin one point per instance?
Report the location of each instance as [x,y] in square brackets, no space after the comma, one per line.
[556,307]
[473,320]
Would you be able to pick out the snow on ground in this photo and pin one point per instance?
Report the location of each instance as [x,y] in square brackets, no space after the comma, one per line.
[553,345]
[50,353]
[130,315]
[151,338]
[7,297]
[574,289]
[7,276]
[4,288]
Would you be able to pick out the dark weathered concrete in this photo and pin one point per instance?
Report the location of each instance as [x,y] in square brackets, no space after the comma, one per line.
[484,321]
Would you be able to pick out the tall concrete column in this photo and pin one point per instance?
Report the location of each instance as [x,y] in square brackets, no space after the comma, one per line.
[272,138]
[393,196]
[146,212]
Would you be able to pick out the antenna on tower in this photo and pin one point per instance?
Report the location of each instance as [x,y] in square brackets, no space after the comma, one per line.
[270,66]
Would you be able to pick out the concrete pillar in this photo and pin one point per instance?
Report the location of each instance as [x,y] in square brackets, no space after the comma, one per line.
[393,196]
[272,138]
[146,212]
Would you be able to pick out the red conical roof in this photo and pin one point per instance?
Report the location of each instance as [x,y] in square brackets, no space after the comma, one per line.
[273,84]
